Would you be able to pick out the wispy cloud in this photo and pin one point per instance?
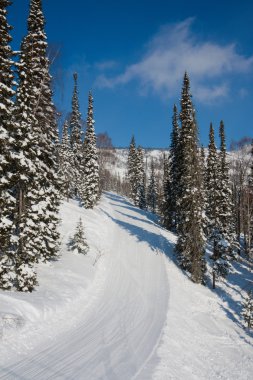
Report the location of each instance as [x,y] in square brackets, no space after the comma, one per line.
[174,49]
[106,65]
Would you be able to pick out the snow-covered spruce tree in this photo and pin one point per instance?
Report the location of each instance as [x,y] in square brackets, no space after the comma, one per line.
[90,186]
[219,257]
[131,168]
[7,202]
[170,208]
[78,243]
[225,206]
[140,199]
[152,189]
[165,192]
[34,156]
[212,186]
[247,311]
[75,125]
[191,238]
[66,165]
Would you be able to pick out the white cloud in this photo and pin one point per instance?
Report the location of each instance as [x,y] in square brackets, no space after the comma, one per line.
[174,50]
[106,65]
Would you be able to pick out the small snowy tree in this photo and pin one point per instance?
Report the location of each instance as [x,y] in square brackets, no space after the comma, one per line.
[78,243]
[140,197]
[247,311]
[152,190]
[131,168]
[26,277]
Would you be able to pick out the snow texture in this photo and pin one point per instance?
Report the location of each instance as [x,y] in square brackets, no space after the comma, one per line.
[123,311]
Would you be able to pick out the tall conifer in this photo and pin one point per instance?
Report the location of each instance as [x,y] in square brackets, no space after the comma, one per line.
[152,189]
[90,186]
[190,245]
[7,201]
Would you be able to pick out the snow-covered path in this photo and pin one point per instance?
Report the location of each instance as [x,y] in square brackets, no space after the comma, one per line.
[116,336]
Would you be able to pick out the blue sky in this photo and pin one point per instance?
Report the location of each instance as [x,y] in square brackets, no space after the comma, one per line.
[133,55]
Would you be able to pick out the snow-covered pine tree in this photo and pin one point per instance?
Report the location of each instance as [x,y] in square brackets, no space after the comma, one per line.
[170,207]
[75,123]
[191,239]
[131,168]
[152,189]
[247,311]
[66,164]
[75,126]
[7,201]
[90,189]
[212,186]
[78,243]
[140,180]
[225,206]
[34,156]
[219,257]
[165,192]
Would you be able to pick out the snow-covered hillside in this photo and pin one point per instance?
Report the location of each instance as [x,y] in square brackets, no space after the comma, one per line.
[124,311]
[117,162]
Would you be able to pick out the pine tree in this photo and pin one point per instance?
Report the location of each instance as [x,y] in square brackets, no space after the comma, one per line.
[170,206]
[66,165]
[131,168]
[90,191]
[7,201]
[226,219]
[140,199]
[152,190]
[165,210]
[34,157]
[191,239]
[219,257]
[247,311]
[75,124]
[79,243]
[212,185]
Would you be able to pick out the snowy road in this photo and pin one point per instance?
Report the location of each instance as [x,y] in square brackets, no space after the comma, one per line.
[116,337]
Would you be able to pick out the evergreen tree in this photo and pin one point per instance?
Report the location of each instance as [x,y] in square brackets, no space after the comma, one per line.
[90,190]
[7,201]
[225,206]
[170,207]
[79,243]
[219,257]
[247,311]
[140,199]
[66,165]
[75,122]
[165,210]
[212,185]
[152,189]
[131,168]
[76,139]
[34,157]
[191,239]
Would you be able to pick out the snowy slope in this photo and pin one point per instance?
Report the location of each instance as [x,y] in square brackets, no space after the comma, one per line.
[124,311]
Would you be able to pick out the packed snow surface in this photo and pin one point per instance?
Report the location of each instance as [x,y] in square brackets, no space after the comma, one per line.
[123,311]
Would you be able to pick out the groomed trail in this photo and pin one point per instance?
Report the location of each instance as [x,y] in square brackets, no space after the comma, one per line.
[125,311]
[116,336]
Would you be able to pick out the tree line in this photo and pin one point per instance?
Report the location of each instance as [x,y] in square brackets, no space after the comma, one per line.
[200,197]
[36,170]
